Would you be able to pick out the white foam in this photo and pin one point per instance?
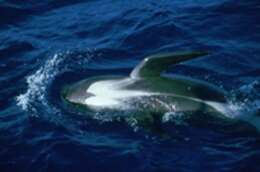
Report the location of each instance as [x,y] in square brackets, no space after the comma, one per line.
[37,83]
[239,111]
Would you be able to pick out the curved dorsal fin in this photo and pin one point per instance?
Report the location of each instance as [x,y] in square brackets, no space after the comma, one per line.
[153,66]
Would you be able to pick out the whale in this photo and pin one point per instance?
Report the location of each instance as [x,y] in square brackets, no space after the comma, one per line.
[148,96]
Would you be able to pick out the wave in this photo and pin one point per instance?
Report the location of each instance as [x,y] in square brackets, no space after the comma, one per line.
[243,104]
[246,103]
[16,48]
[13,12]
[39,82]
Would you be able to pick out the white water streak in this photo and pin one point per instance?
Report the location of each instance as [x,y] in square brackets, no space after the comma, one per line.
[38,82]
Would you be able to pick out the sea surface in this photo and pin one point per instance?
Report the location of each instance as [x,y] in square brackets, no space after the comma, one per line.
[51,43]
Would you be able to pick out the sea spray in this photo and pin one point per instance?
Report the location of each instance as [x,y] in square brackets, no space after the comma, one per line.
[39,82]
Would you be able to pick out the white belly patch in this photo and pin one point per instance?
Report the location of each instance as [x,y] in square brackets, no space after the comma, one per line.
[112,93]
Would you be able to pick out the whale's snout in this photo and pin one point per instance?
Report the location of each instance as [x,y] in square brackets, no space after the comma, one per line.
[76,94]
[88,95]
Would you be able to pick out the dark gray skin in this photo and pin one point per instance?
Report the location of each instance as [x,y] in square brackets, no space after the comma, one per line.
[188,95]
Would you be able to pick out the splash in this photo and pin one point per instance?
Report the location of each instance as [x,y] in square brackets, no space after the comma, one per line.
[176,117]
[246,103]
[243,104]
[39,82]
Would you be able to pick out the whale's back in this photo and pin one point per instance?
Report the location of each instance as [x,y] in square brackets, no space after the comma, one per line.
[180,86]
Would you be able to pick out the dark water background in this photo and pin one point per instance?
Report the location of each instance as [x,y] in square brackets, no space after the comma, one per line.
[46,44]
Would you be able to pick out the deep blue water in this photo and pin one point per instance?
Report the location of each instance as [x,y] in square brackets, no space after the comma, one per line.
[47,44]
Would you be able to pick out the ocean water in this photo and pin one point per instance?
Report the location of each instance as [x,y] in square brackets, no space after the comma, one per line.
[48,44]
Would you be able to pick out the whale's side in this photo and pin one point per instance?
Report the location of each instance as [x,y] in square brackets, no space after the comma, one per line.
[144,80]
[148,73]
[148,93]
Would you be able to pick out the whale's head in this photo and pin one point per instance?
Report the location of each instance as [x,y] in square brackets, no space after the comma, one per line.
[110,93]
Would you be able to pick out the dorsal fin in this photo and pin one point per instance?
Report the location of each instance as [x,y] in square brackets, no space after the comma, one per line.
[153,66]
